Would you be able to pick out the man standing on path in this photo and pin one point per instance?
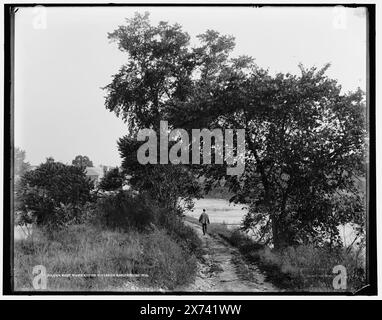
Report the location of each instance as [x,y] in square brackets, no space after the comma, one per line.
[204,220]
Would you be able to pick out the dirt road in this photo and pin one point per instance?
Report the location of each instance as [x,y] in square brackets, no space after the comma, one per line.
[223,269]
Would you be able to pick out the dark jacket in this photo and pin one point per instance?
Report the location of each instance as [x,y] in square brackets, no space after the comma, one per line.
[204,218]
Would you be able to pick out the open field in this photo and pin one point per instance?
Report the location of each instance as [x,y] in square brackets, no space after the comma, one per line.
[219,210]
[222,211]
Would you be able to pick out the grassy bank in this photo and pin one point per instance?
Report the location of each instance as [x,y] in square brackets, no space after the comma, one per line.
[168,258]
[302,268]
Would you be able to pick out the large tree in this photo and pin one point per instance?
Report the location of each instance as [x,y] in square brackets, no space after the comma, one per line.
[156,76]
[305,145]
[158,71]
[305,138]
[112,180]
[305,148]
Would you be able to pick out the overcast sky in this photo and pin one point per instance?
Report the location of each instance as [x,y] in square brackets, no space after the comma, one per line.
[62,64]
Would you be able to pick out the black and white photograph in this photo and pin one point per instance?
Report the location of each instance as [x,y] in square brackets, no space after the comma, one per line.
[190,150]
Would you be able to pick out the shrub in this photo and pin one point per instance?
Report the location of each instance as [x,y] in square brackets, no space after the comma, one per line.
[112,180]
[125,210]
[52,193]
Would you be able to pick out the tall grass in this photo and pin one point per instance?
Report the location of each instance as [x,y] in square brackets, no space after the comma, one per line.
[184,235]
[302,268]
[85,249]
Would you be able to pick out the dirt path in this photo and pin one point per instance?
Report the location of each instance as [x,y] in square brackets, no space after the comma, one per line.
[223,269]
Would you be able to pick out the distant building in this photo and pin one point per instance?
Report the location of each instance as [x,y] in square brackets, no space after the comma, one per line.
[97,173]
[94,174]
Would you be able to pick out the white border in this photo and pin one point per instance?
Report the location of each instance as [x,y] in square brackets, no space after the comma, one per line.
[208,297]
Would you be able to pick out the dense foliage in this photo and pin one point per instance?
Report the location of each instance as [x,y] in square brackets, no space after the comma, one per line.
[53,193]
[112,180]
[82,161]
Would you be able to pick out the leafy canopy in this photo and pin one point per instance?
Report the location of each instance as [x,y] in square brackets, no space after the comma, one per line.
[82,161]
[305,139]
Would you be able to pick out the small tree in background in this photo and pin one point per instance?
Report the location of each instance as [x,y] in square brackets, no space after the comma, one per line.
[20,165]
[20,168]
[112,180]
[82,161]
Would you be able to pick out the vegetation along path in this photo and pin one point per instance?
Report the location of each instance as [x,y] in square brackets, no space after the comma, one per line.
[223,268]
